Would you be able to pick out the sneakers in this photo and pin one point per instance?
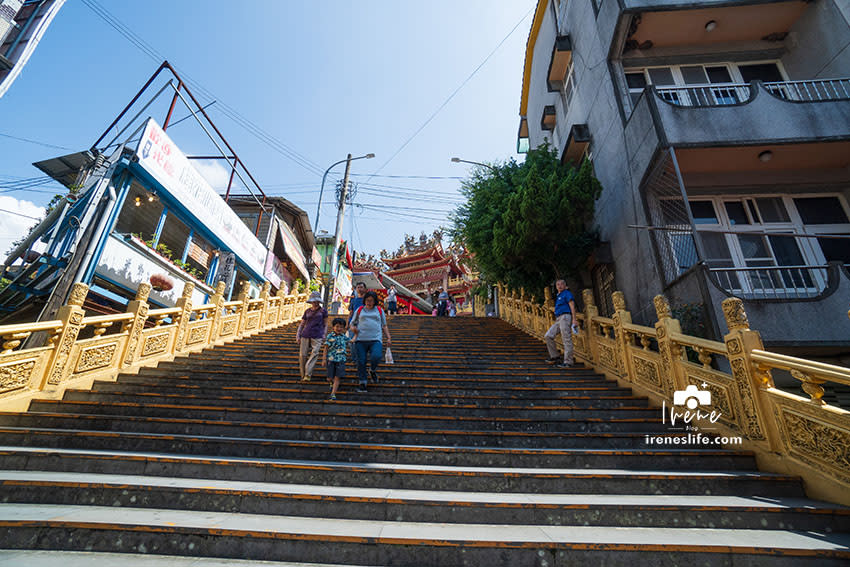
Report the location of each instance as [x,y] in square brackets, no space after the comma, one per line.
[553,359]
[374,376]
[361,389]
[306,378]
[332,398]
[564,365]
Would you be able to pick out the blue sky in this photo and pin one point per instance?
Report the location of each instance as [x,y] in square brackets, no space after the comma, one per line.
[325,78]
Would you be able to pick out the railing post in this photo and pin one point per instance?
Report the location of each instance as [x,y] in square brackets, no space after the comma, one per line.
[264,306]
[590,313]
[671,353]
[750,380]
[218,312]
[71,316]
[139,308]
[185,306]
[622,336]
[281,295]
[244,297]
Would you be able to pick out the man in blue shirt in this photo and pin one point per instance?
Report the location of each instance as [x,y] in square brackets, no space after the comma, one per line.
[565,324]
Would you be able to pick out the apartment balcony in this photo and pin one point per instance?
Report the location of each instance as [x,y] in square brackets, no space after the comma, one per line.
[807,123]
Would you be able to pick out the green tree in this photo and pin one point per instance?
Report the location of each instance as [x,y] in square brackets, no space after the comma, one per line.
[526,224]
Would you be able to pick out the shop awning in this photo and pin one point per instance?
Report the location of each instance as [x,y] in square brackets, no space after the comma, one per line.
[293,251]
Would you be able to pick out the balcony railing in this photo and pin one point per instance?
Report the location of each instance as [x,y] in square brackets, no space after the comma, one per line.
[732,93]
[773,282]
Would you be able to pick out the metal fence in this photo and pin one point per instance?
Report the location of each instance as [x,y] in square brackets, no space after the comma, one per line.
[772,282]
[736,93]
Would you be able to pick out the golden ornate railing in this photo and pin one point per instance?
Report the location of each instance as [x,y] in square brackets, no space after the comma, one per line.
[787,433]
[77,349]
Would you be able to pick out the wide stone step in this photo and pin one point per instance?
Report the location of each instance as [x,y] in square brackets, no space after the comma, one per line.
[471,407]
[682,457]
[36,487]
[382,392]
[562,420]
[377,431]
[30,558]
[408,476]
[364,542]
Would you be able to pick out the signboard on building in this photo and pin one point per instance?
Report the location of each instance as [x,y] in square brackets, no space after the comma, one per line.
[274,270]
[226,271]
[342,285]
[293,250]
[160,157]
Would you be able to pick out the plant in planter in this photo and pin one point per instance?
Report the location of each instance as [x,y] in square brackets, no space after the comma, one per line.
[161,282]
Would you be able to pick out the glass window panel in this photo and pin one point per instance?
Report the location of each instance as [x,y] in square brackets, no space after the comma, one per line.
[661,76]
[772,209]
[718,75]
[694,75]
[753,246]
[820,210]
[736,212]
[174,237]
[139,214]
[767,72]
[636,80]
[715,247]
[836,249]
[703,212]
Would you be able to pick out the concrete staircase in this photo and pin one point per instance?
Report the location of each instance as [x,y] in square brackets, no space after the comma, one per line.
[470,451]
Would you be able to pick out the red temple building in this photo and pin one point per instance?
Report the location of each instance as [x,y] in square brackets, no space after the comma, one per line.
[427,268]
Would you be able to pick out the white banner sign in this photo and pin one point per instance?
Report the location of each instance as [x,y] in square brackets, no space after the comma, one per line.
[167,164]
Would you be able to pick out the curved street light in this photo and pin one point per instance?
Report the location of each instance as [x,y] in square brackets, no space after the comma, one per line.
[324,178]
[490,167]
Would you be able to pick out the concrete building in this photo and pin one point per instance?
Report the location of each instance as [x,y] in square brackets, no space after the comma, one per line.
[22,24]
[721,129]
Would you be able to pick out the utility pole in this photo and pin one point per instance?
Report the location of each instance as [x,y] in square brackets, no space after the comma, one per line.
[340,216]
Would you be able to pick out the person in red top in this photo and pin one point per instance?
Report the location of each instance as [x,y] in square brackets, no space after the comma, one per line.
[310,335]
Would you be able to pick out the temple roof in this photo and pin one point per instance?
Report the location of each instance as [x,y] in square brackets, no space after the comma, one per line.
[433,251]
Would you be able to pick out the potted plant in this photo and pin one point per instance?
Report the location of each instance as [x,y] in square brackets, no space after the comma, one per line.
[161,282]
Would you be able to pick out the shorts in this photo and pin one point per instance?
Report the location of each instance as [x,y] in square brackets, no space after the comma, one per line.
[336,369]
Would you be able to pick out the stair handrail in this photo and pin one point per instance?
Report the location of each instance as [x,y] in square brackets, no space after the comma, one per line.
[77,350]
[788,433]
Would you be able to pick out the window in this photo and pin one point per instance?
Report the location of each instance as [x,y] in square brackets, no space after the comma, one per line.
[714,84]
[568,87]
[772,209]
[703,212]
[140,213]
[820,210]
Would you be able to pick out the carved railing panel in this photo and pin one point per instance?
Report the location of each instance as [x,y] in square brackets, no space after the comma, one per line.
[79,349]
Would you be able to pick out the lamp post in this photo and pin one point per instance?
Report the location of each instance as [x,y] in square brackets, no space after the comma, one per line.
[324,178]
[458,160]
[339,219]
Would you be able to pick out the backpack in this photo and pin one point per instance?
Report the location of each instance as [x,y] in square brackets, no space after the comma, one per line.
[356,316]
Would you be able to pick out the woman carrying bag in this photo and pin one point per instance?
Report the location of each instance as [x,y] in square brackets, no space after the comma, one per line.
[368,323]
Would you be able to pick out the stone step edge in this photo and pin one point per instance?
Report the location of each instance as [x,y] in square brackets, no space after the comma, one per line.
[328,531]
[45,558]
[723,503]
[401,468]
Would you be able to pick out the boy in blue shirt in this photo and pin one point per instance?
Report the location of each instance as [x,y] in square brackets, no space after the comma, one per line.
[565,323]
[335,353]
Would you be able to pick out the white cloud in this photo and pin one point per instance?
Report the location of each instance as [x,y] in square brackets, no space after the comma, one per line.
[13,226]
[215,173]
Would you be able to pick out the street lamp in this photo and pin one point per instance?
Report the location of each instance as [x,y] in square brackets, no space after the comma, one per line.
[490,167]
[325,176]
[339,219]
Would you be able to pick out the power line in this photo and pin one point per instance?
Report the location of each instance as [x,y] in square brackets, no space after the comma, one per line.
[36,142]
[222,107]
[370,175]
[454,93]
[18,214]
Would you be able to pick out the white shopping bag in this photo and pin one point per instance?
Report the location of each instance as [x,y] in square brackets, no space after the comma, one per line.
[388,357]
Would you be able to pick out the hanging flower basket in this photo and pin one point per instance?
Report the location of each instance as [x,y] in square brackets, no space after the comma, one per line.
[161,282]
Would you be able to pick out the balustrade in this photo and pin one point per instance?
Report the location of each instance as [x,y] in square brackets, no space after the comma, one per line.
[79,349]
[788,433]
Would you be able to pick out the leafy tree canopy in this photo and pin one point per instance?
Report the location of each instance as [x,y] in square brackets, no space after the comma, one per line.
[526,223]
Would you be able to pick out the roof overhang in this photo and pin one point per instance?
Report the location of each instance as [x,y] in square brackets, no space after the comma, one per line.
[65,169]
[539,13]
[559,64]
[770,21]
